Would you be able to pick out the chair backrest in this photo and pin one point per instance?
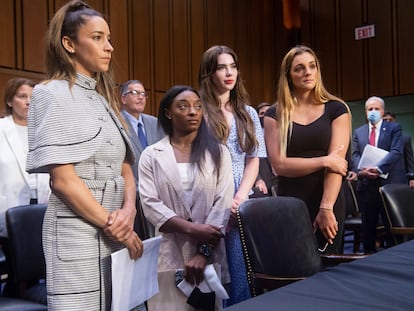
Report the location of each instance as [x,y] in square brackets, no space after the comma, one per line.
[24,226]
[14,304]
[398,203]
[351,203]
[277,237]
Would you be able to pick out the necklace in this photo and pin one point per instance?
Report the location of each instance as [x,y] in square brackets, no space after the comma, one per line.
[175,145]
[184,146]
[180,146]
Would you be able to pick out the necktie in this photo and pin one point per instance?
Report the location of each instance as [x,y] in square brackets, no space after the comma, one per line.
[141,136]
[372,136]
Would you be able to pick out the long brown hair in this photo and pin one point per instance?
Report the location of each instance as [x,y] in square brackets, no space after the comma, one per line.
[66,22]
[204,140]
[239,98]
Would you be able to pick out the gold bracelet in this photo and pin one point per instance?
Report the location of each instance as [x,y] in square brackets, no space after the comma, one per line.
[327,208]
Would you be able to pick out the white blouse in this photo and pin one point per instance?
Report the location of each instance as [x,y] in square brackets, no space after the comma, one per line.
[186,171]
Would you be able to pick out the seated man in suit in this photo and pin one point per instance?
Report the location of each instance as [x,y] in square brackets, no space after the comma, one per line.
[408,150]
[143,130]
[387,136]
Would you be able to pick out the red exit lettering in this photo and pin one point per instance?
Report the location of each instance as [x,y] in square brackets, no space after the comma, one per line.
[364,32]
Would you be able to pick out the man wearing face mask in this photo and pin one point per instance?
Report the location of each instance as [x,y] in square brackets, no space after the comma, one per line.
[387,136]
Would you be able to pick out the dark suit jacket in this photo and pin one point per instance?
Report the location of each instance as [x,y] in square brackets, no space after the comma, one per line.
[266,173]
[408,154]
[390,139]
[152,131]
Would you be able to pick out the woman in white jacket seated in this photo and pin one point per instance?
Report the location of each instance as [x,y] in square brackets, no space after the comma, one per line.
[17,187]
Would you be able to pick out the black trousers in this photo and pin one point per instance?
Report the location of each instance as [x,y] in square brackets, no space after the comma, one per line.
[370,204]
[142,226]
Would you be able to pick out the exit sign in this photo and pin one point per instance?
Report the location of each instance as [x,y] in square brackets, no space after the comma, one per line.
[364,32]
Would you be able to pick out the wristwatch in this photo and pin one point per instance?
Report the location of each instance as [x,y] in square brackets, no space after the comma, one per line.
[205,250]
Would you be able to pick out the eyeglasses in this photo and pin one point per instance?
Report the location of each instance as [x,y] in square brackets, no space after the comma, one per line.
[136,93]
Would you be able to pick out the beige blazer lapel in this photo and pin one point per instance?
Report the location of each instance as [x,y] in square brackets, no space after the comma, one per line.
[168,163]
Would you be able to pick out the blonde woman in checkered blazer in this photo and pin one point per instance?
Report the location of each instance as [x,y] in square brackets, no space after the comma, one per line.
[75,135]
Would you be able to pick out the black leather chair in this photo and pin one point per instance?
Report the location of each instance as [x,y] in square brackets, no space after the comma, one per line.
[278,243]
[13,304]
[353,221]
[4,266]
[25,252]
[398,204]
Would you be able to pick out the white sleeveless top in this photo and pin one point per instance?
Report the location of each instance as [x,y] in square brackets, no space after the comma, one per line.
[186,171]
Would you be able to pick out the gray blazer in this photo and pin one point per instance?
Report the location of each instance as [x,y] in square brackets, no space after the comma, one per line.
[153,132]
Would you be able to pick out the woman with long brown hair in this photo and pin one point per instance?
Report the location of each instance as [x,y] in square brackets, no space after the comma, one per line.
[237,125]
[76,136]
[186,188]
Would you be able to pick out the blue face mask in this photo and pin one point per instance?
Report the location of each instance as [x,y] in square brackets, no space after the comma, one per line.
[373,116]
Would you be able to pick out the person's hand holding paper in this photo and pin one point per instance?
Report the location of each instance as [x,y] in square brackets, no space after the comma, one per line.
[134,281]
[210,283]
[370,158]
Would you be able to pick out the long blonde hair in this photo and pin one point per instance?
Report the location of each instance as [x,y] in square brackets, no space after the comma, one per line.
[59,65]
[287,101]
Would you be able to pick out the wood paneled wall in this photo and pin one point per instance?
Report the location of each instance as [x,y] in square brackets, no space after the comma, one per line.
[160,42]
[357,69]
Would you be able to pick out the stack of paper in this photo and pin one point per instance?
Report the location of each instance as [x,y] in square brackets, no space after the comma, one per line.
[135,281]
[371,157]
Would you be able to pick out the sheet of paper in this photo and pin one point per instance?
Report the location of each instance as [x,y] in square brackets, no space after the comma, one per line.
[371,157]
[134,282]
[211,283]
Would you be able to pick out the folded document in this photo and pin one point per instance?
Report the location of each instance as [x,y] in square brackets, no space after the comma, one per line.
[211,283]
[135,281]
[371,157]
